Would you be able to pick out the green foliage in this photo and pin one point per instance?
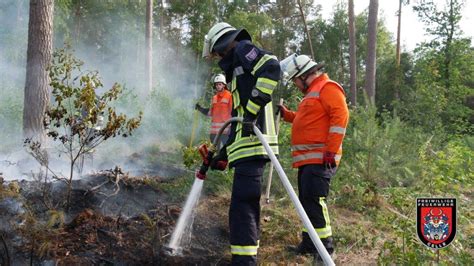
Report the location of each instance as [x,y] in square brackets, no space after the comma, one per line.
[443,73]
[191,157]
[179,187]
[79,119]
[256,23]
[377,152]
[41,236]
[178,126]
[393,153]
[386,165]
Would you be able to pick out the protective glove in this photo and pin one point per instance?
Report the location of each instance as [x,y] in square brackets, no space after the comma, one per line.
[201,109]
[219,162]
[281,109]
[329,159]
[247,125]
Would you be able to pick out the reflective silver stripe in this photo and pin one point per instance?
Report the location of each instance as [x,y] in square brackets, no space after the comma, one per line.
[326,231]
[311,155]
[251,141]
[325,211]
[264,85]
[339,130]
[253,107]
[233,86]
[238,71]
[251,151]
[313,94]
[322,232]
[262,61]
[269,121]
[225,100]
[306,147]
[244,250]
[235,94]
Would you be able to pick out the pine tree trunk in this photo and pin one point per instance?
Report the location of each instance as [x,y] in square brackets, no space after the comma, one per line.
[40,45]
[371,50]
[149,44]
[306,29]
[399,27]
[352,54]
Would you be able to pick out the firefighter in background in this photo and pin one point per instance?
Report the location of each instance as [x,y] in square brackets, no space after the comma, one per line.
[318,129]
[220,110]
[254,74]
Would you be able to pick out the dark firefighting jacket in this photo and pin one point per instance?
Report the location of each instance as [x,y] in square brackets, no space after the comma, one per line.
[254,74]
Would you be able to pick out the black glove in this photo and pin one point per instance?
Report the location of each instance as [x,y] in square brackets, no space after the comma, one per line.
[201,109]
[219,162]
[278,110]
[281,109]
[247,125]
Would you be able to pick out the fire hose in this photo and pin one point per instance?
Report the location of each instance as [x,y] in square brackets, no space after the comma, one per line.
[201,174]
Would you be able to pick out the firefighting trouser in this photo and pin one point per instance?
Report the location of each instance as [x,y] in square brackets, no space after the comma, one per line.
[244,212]
[313,188]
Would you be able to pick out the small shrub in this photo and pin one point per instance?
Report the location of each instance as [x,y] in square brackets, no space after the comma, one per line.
[79,119]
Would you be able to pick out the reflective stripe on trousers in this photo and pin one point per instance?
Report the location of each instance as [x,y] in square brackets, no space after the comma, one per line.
[313,188]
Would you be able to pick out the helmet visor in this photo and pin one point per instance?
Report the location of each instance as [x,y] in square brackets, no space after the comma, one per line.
[284,68]
[205,47]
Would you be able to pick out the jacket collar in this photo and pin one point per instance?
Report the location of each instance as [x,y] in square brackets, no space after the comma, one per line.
[322,77]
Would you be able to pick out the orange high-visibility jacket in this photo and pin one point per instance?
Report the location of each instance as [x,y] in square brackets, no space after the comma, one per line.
[319,124]
[220,111]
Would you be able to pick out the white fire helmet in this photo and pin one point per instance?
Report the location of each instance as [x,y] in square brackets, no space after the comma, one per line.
[296,65]
[218,31]
[219,78]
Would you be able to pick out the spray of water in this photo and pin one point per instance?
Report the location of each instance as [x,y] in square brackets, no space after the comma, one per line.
[186,218]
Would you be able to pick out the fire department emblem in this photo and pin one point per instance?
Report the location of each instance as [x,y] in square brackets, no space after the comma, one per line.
[436,221]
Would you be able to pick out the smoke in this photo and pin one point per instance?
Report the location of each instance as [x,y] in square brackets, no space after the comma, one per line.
[118,54]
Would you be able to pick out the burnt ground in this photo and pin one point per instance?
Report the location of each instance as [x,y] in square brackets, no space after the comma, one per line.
[112,221]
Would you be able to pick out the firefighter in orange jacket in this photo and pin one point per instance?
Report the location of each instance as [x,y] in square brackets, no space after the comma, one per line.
[318,129]
[220,110]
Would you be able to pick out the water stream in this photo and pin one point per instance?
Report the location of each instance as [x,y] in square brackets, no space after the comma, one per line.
[186,218]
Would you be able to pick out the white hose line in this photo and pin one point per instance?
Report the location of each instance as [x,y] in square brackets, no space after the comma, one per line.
[299,208]
[270,174]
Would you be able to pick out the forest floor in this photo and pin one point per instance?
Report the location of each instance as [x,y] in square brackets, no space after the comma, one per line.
[124,220]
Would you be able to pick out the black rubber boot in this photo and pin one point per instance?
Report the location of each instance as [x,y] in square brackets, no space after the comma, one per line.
[305,247]
[328,244]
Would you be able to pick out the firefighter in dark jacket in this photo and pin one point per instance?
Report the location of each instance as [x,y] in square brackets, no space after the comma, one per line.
[254,74]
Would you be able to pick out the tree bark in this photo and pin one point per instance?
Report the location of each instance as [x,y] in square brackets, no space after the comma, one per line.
[371,50]
[399,27]
[149,44]
[352,55]
[40,45]
[306,29]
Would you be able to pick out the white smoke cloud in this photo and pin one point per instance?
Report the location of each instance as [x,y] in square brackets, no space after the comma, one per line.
[177,81]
